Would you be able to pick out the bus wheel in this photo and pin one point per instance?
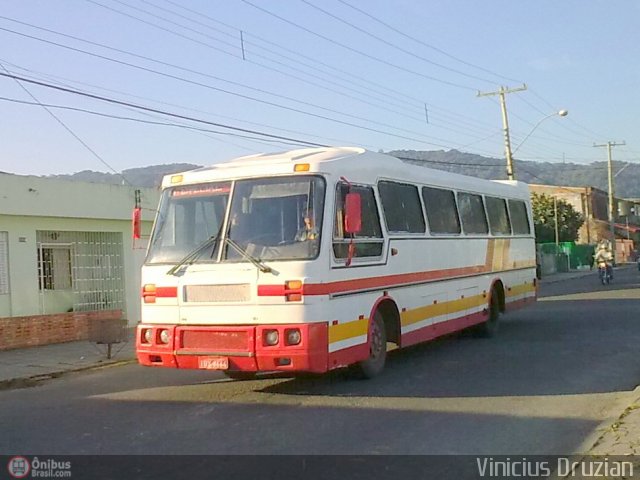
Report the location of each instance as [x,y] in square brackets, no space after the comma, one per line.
[237,375]
[373,365]
[490,327]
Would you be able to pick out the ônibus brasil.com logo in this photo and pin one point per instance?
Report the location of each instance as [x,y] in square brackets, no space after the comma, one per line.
[19,467]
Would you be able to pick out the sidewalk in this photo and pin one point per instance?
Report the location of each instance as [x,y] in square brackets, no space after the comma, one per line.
[622,437]
[28,366]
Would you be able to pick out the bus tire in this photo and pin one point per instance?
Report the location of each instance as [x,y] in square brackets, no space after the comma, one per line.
[373,365]
[489,328]
[238,375]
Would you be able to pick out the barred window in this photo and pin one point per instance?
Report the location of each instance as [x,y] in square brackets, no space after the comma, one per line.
[54,268]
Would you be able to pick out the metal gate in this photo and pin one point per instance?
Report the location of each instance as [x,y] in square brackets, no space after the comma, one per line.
[90,264]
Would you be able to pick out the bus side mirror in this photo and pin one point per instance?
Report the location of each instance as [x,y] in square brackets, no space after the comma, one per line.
[352,213]
[135,223]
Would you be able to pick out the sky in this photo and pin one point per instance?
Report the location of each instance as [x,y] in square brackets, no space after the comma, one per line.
[203,81]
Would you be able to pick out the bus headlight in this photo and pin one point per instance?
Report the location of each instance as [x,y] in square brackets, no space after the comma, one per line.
[147,335]
[271,337]
[293,336]
[164,336]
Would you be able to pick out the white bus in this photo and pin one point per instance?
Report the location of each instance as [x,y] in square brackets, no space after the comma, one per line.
[316,259]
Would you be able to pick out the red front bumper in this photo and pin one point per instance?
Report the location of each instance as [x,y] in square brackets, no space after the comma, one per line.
[243,345]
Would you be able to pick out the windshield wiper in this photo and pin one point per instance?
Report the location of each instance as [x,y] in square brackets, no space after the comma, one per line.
[191,256]
[256,261]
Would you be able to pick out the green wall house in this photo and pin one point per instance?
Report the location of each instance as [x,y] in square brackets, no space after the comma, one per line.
[66,250]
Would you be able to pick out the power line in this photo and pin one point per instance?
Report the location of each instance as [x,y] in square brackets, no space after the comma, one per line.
[170,104]
[562,124]
[316,84]
[386,42]
[173,32]
[138,120]
[162,112]
[310,66]
[249,60]
[359,52]
[119,117]
[64,125]
[316,61]
[404,34]
[234,93]
[247,97]
[551,136]
[589,131]
[505,123]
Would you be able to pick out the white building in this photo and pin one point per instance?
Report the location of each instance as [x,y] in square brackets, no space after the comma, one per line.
[66,249]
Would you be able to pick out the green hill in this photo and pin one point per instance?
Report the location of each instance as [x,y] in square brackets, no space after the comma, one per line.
[627,183]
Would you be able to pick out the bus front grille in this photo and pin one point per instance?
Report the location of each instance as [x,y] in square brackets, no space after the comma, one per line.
[214,340]
[217,293]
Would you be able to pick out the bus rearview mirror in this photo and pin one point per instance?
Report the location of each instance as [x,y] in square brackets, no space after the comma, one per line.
[352,213]
[135,223]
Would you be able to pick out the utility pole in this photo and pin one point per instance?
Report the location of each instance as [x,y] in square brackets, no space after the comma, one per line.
[610,173]
[505,123]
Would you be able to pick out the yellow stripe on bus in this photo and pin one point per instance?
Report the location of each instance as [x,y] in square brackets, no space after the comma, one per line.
[421,313]
[430,311]
[358,328]
[344,331]
[520,289]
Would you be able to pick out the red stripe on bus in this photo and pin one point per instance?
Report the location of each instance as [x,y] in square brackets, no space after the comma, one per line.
[166,292]
[373,282]
[435,330]
[271,290]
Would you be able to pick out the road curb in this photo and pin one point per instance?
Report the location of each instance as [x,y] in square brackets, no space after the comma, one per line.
[33,380]
[593,440]
[560,279]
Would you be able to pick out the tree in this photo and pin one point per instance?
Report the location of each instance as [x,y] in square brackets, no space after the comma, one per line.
[569,221]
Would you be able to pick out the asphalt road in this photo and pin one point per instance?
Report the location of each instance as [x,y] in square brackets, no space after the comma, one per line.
[543,385]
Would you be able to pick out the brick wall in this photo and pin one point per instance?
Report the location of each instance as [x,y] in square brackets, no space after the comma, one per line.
[20,332]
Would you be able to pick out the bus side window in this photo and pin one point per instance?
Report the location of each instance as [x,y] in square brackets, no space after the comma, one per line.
[442,213]
[498,216]
[519,217]
[401,206]
[368,242]
[471,207]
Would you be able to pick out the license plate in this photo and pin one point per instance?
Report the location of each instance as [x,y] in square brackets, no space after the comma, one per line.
[213,363]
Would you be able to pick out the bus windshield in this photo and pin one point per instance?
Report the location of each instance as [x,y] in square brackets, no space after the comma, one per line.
[278,218]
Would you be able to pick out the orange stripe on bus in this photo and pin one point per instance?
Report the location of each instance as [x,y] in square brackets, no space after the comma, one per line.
[488,262]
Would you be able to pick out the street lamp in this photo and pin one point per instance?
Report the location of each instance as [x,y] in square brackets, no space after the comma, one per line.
[560,113]
[509,152]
